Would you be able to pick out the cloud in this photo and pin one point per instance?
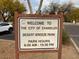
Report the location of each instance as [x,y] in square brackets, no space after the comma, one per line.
[26,5]
[74,1]
[35,3]
[46,3]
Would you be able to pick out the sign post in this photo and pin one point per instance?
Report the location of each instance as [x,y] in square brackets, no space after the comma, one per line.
[37,33]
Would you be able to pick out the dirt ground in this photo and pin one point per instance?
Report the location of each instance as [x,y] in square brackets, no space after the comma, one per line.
[7,51]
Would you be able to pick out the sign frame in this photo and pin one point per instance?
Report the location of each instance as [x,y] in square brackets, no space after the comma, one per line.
[31,16]
[37,49]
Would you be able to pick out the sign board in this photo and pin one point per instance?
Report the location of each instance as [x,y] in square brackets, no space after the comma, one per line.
[38,34]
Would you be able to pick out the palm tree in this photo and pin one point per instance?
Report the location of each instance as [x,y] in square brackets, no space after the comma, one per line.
[30,7]
[39,8]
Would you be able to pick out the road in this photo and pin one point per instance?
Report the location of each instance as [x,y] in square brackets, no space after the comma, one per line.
[6,36]
[73,31]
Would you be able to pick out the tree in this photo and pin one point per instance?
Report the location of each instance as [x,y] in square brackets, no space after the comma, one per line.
[65,8]
[39,8]
[55,8]
[73,15]
[30,7]
[8,7]
[52,8]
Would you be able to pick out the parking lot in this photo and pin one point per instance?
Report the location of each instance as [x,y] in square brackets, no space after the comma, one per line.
[7,36]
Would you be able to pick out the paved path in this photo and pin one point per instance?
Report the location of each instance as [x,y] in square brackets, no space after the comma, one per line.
[73,31]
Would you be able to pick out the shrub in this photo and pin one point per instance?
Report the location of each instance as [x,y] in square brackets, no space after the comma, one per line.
[65,37]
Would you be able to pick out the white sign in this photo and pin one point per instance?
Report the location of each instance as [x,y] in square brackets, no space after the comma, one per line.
[38,34]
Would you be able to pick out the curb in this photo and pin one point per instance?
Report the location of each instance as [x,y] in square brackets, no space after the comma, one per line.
[75,45]
[71,23]
[5,40]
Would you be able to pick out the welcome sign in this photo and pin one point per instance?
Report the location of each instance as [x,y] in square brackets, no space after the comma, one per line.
[38,33]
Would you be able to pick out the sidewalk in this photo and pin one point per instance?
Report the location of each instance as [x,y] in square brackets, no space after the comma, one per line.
[67,23]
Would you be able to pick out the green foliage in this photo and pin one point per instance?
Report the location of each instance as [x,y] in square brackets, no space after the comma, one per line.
[73,15]
[9,7]
[19,7]
[65,37]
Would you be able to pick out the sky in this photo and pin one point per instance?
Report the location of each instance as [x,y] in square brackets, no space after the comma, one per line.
[35,3]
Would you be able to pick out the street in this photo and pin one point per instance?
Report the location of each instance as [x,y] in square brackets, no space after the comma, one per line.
[73,31]
[6,36]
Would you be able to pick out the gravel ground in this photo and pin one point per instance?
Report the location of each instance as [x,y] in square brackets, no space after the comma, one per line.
[7,51]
